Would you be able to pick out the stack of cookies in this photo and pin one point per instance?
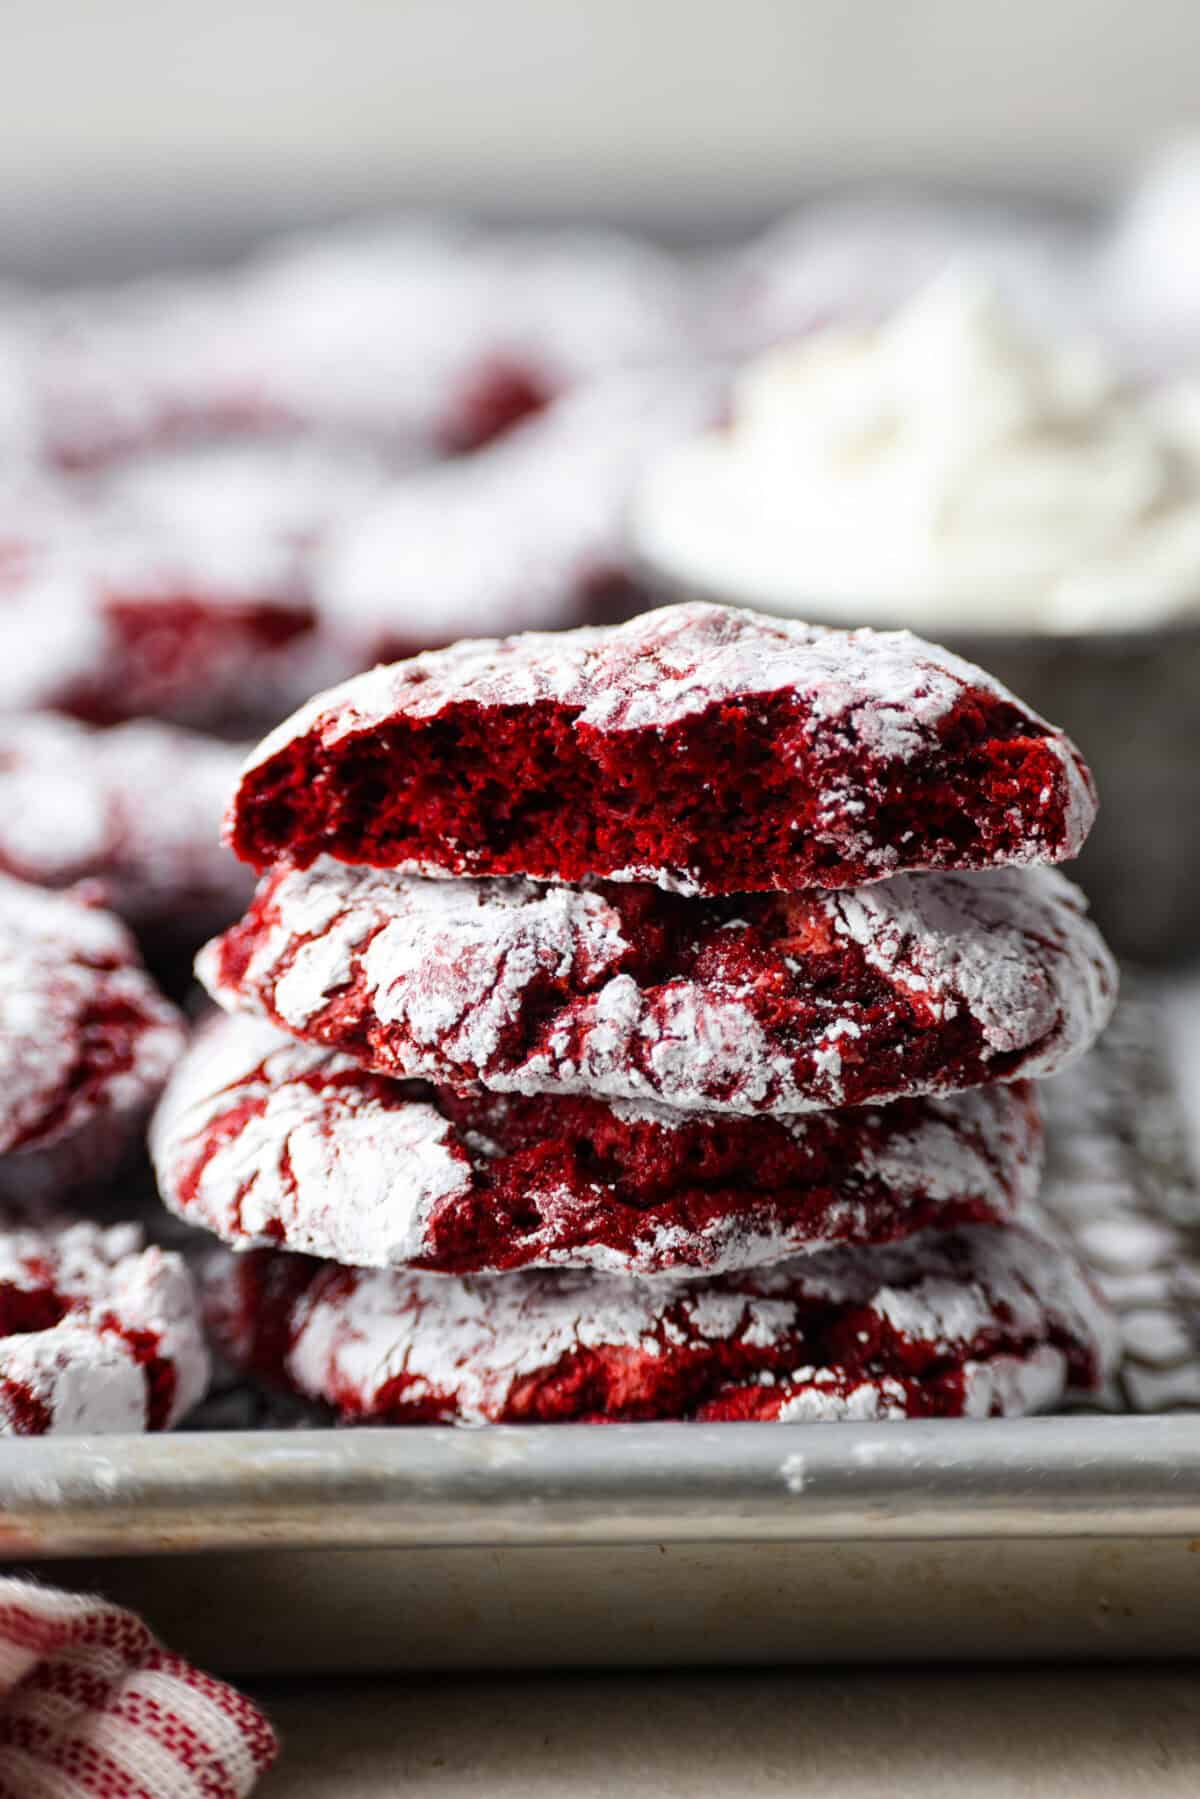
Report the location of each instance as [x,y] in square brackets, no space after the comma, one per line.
[642,1023]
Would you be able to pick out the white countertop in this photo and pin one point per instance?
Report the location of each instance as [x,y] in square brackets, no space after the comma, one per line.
[1045,1733]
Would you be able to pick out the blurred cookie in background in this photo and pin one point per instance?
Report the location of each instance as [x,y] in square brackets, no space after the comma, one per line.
[530,534]
[856,259]
[422,336]
[134,811]
[174,586]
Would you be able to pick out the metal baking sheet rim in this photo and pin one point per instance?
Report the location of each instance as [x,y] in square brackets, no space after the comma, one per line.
[1077,1476]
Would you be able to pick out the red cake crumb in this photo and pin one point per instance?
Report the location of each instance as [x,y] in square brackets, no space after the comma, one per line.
[704,748]
[755,1003]
[86,1043]
[977,1322]
[97,1333]
[265,1141]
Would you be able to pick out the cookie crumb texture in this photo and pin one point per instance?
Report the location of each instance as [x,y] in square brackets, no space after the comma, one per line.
[97,1333]
[978,1323]
[708,749]
[86,1042]
[268,1142]
[762,1003]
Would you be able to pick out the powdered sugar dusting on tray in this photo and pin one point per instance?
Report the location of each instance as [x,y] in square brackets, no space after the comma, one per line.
[528,988]
[265,1141]
[477,1349]
[125,1350]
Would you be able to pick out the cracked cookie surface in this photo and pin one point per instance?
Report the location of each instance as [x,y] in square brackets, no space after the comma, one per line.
[759,1003]
[265,1141]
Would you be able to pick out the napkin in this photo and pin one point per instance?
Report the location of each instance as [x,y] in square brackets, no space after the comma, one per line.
[93,1707]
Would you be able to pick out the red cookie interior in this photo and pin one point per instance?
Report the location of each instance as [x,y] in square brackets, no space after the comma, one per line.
[714,749]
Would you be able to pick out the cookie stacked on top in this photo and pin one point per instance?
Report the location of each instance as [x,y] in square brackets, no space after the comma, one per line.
[642,1023]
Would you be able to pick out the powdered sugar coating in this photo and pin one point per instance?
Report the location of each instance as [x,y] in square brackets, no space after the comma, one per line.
[86,1041]
[135,809]
[977,1321]
[263,1140]
[266,1141]
[662,667]
[433,334]
[115,370]
[97,1333]
[421,334]
[106,641]
[176,585]
[867,753]
[763,1003]
[525,534]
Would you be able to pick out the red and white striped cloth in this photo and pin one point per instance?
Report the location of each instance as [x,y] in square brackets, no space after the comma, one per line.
[92,1707]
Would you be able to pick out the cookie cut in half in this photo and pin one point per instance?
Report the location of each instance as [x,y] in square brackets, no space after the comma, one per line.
[759,1003]
[98,1334]
[975,1323]
[702,748]
[265,1141]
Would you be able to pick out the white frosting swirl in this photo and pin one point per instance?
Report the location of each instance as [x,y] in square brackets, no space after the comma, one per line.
[942,470]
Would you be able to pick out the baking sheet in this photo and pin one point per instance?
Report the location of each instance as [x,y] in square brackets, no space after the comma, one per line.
[303,1549]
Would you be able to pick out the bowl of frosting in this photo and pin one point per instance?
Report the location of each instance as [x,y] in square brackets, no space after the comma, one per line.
[949,472]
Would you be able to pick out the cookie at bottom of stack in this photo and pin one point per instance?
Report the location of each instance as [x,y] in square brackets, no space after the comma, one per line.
[979,1322]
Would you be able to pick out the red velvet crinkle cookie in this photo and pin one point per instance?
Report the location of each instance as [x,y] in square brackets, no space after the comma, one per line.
[266,1141]
[529,533]
[86,1042]
[706,749]
[112,371]
[72,641]
[438,336]
[136,810]
[754,1003]
[98,1334]
[978,1322]
[180,587]
[420,334]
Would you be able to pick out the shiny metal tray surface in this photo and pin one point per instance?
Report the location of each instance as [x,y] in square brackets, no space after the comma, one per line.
[312,1549]
[634,1545]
